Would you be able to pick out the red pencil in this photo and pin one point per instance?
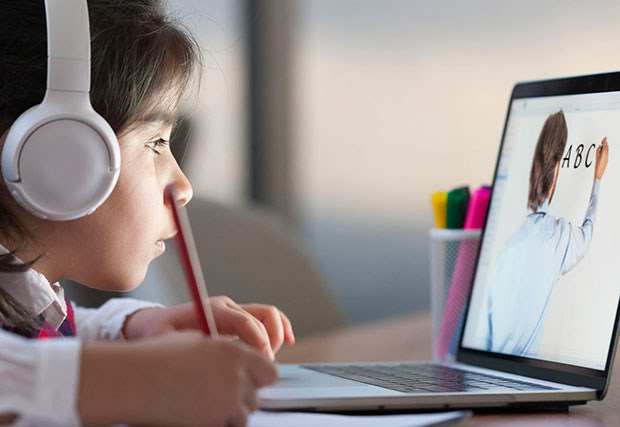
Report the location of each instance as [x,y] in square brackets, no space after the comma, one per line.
[191,264]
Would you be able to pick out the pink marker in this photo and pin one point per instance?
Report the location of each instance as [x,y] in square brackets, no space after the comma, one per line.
[477,209]
[463,273]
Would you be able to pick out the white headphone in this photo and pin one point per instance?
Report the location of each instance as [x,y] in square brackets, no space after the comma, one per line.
[61,159]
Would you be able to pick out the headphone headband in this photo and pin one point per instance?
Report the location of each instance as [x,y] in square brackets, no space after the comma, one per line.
[61,159]
[68,45]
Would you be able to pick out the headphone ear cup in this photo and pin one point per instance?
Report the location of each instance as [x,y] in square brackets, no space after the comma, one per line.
[62,168]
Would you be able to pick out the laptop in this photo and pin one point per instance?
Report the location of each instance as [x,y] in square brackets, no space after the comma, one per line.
[541,320]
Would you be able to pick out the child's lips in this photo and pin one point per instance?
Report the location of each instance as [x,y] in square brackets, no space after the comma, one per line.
[161,244]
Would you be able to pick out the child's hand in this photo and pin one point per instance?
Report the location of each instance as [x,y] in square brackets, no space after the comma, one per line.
[263,327]
[176,379]
[602,156]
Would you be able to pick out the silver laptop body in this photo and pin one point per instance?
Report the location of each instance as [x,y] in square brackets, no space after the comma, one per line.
[495,368]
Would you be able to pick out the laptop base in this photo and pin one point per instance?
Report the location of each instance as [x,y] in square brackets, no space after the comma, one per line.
[553,407]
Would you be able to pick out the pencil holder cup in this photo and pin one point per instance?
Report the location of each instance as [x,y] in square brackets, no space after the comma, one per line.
[453,256]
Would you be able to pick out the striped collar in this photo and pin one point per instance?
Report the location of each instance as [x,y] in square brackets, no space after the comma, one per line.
[33,291]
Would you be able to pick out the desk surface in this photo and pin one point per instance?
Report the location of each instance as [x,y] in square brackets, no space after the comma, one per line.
[409,338]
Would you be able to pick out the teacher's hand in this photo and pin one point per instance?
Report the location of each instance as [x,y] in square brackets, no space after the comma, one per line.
[602,156]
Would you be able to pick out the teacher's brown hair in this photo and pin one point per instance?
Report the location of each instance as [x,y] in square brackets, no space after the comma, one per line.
[547,158]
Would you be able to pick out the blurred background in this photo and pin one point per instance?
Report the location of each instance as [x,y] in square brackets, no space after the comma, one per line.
[324,125]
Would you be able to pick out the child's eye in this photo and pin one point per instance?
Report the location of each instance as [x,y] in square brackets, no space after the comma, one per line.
[153,145]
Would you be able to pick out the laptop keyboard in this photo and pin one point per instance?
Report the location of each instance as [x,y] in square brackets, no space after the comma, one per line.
[425,378]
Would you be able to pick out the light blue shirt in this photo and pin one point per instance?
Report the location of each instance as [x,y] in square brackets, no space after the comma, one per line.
[525,273]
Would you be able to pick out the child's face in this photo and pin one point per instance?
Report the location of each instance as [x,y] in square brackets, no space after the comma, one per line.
[112,248]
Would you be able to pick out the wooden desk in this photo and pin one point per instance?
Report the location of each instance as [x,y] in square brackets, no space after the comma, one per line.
[409,338]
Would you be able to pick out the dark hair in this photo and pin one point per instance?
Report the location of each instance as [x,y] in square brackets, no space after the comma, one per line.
[138,54]
[547,156]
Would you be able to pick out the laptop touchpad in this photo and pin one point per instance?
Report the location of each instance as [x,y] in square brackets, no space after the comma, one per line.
[297,377]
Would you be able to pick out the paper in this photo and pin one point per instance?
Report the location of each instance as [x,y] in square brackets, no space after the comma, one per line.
[301,419]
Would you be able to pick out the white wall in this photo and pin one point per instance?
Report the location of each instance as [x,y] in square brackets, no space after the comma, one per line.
[395,99]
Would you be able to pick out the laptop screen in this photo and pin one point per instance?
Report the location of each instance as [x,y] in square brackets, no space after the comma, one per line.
[548,278]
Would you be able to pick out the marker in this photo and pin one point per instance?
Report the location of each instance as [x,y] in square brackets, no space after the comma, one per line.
[477,208]
[458,203]
[464,270]
[462,276]
[439,201]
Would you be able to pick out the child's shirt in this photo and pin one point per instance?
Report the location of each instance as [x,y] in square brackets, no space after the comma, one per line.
[46,329]
[40,377]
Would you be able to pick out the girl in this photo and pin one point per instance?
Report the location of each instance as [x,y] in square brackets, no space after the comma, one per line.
[124,366]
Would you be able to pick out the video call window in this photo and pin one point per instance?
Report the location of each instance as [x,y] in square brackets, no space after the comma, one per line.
[546,286]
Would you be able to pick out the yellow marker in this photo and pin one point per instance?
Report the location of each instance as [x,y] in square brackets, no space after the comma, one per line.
[439,200]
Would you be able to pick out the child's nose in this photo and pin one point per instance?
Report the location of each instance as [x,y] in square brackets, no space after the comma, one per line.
[185,192]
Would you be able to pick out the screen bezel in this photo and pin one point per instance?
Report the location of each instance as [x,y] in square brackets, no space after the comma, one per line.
[542,369]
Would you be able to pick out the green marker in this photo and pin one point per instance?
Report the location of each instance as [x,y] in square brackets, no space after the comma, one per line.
[458,202]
